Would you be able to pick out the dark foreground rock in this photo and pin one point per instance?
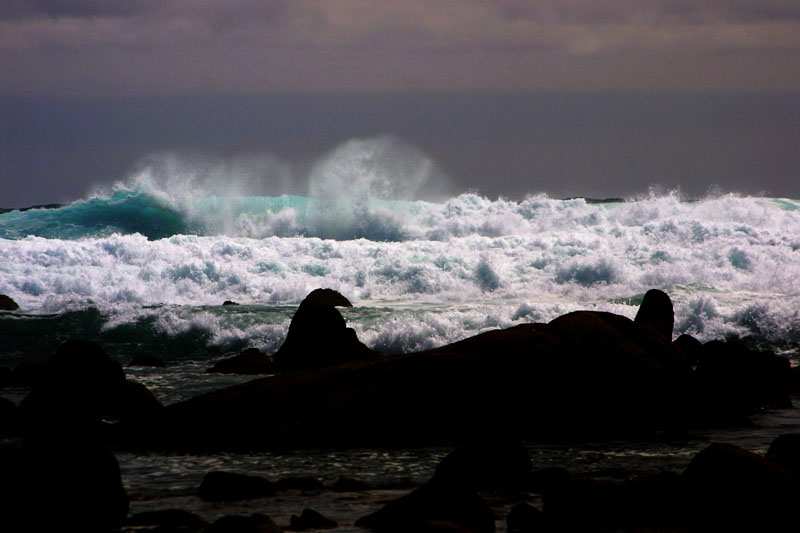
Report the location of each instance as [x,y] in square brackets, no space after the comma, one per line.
[431,503]
[81,382]
[177,519]
[250,362]
[48,485]
[318,336]
[585,373]
[7,304]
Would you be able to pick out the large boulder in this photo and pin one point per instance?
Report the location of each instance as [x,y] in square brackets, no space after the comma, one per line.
[785,450]
[7,304]
[318,336]
[47,485]
[584,373]
[81,380]
[735,379]
[729,488]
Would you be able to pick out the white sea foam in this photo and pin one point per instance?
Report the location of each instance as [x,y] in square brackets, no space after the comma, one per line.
[731,264]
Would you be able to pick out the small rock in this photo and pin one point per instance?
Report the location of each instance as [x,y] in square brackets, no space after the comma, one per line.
[494,464]
[229,302]
[251,361]
[311,519]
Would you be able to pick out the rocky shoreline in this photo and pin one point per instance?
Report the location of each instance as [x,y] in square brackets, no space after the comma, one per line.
[585,375]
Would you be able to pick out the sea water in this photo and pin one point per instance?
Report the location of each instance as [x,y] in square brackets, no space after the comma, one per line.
[146,266]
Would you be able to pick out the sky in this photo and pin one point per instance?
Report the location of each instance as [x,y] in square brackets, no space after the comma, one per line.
[504,97]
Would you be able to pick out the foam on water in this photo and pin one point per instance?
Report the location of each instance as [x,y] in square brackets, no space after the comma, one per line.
[732,265]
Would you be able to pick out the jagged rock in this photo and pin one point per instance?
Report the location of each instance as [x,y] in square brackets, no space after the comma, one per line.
[255,523]
[311,519]
[229,486]
[657,312]
[229,302]
[46,484]
[318,336]
[7,304]
[148,360]
[251,361]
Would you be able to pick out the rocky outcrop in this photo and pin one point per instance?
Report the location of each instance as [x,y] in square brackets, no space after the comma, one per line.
[7,304]
[318,336]
[311,519]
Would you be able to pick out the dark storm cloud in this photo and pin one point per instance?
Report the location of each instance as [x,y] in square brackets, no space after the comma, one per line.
[410,45]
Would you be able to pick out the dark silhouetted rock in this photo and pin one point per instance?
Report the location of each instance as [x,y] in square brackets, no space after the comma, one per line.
[487,464]
[13,423]
[785,450]
[250,361]
[6,377]
[80,379]
[432,502]
[318,336]
[229,302]
[302,483]
[228,486]
[733,378]
[47,484]
[255,523]
[7,304]
[311,519]
[27,374]
[585,504]
[730,487]
[173,518]
[350,484]
[524,518]
[656,311]
[148,360]
[691,348]
[327,297]
[585,373]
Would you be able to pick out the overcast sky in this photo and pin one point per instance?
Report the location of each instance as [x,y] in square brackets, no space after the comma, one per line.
[507,97]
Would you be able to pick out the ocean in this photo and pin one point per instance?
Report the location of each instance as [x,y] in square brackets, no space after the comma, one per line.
[145,269]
